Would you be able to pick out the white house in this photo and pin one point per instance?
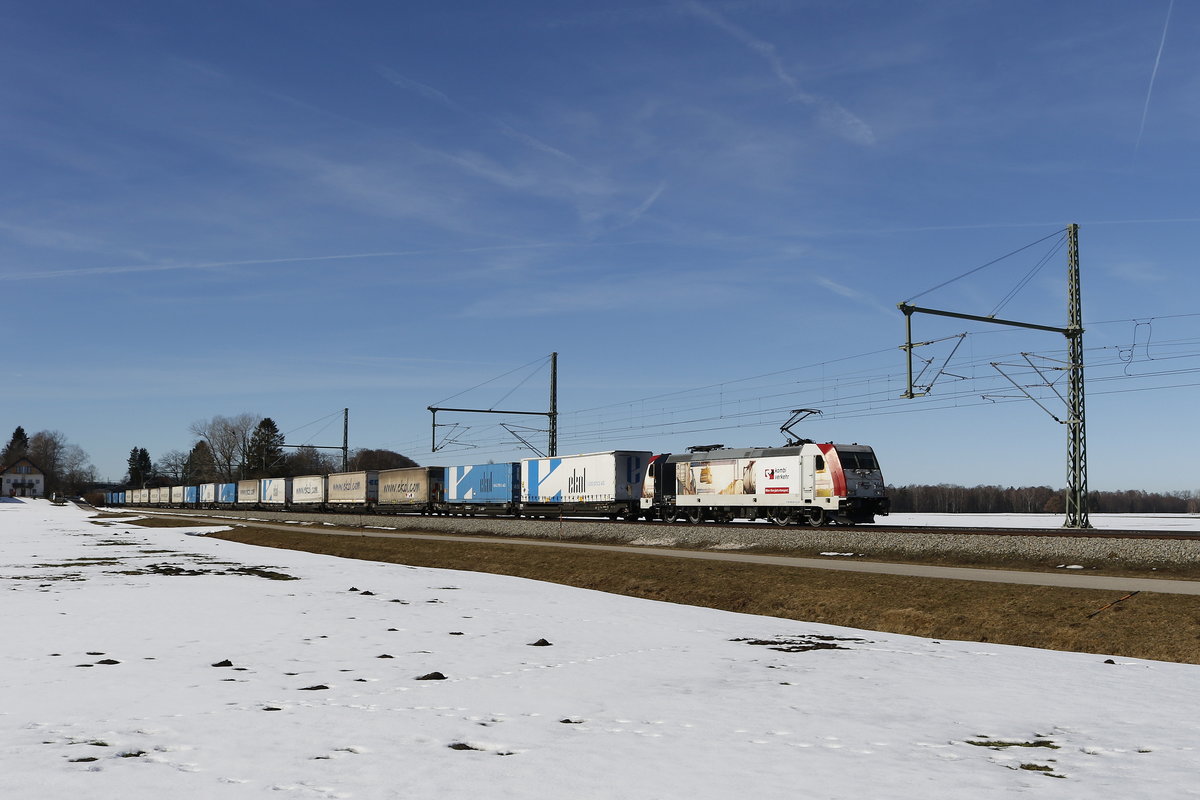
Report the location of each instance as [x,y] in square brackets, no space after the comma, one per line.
[22,478]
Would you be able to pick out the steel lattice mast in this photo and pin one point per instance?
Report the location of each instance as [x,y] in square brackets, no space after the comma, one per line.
[1077,485]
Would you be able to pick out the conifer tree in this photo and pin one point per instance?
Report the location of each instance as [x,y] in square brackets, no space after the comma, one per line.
[200,467]
[17,447]
[265,453]
[141,468]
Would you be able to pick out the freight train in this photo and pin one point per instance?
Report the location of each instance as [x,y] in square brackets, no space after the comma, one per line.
[808,483]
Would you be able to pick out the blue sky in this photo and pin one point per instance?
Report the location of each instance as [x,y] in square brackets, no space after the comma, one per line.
[709,209]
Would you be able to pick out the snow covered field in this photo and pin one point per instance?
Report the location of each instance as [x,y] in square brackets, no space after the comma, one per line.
[1123,522]
[112,686]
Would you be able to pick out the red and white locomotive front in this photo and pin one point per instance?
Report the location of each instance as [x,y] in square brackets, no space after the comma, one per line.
[853,477]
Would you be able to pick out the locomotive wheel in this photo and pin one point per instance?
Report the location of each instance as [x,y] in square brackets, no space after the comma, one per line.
[694,515]
[781,517]
[817,518]
[671,515]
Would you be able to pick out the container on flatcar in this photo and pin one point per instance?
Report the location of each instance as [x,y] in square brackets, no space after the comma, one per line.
[608,483]
[483,488]
[155,496]
[308,490]
[353,488]
[227,493]
[275,491]
[191,495]
[247,492]
[411,488]
[208,494]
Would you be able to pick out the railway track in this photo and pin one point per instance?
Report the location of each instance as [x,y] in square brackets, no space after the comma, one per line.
[444,522]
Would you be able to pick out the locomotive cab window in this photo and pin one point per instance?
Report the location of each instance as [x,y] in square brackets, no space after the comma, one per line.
[858,459]
[819,463]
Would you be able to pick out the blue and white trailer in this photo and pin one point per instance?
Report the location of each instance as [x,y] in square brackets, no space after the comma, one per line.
[601,484]
[191,495]
[483,488]
[276,491]
[208,495]
[226,493]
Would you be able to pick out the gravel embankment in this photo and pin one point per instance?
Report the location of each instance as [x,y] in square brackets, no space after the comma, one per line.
[862,540]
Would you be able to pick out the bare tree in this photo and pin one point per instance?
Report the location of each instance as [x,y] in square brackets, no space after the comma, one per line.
[228,438]
[46,450]
[67,466]
[76,470]
[173,464]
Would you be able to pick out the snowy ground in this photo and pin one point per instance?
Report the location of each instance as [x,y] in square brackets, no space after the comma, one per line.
[1124,522]
[111,686]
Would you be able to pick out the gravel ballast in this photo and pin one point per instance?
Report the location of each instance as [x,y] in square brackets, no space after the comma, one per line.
[860,541]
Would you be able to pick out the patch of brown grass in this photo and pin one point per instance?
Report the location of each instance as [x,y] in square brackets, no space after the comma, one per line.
[162,522]
[1156,626]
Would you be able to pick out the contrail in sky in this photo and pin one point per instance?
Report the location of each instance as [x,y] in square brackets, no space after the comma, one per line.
[1153,74]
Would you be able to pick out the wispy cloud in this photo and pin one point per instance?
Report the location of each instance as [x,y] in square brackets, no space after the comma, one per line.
[426,91]
[610,294]
[835,117]
[854,294]
[259,262]
[1136,272]
[436,95]
[647,203]
[1153,74]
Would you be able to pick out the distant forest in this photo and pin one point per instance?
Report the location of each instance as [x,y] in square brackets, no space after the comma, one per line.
[945,498]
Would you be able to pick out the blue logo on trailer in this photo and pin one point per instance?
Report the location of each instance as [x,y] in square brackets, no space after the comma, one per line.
[227,493]
[536,480]
[483,483]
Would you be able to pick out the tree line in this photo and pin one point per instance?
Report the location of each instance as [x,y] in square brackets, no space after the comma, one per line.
[66,467]
[244,446]
[947,498]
